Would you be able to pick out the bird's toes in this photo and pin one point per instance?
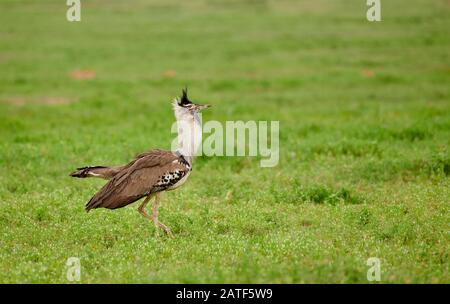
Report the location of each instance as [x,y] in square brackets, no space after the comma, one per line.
[167,230]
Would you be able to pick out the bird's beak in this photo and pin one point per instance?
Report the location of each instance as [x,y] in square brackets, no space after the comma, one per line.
[201,107]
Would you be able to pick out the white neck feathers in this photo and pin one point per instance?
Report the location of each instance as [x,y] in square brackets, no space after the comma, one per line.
[189,132]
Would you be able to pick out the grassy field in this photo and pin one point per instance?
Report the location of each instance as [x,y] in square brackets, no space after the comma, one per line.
[364,111]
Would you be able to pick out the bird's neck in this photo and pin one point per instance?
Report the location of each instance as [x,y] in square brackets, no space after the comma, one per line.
[189,136]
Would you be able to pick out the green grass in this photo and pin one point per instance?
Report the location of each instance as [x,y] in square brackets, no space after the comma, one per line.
[364,111]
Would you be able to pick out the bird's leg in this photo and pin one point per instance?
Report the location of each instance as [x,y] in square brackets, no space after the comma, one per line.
[158,224]
[141,208]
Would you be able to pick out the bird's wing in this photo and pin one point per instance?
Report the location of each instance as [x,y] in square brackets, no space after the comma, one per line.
[137,179]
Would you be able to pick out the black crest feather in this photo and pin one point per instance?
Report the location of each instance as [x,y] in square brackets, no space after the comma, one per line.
[184,100]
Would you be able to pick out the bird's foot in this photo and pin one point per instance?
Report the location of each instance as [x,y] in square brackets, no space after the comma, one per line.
[166,229]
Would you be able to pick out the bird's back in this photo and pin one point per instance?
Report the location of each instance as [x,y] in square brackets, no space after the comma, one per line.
[150,172]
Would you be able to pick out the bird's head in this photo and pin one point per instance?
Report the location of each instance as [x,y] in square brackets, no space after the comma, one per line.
[184,107]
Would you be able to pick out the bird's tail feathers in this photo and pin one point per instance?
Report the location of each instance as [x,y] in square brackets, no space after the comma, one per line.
[95,171]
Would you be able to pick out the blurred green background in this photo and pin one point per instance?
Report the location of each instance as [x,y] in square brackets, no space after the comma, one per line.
[364,113]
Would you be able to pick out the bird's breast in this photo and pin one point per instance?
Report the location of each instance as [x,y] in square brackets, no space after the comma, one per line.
[171,179]
[180,181]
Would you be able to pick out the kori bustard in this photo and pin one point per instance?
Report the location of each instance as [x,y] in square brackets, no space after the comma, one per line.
[152,172]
